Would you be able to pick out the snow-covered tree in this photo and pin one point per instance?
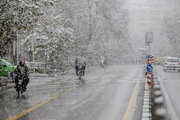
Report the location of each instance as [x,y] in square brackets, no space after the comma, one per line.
[90,28]
[16,16]
[59,41]
[55,35]
[171,27]
[110,29]
[19,17]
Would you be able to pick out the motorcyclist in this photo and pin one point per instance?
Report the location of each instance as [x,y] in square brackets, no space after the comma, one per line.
[103,61]
[22,71]
[78,62]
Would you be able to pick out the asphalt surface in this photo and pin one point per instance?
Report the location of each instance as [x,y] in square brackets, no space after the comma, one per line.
[171,82]
[105,95]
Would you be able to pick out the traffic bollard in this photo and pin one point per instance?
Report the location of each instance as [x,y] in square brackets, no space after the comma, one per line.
[158,108]
[160,114]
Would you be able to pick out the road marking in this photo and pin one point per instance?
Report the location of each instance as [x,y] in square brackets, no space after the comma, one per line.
[50,99]
[131,102]
[42,103]
[42,85]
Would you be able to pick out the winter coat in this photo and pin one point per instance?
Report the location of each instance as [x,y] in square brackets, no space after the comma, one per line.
[22,71]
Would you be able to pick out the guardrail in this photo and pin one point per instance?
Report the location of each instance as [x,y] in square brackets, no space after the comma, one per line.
[158,102]
[48,68]
[37,66]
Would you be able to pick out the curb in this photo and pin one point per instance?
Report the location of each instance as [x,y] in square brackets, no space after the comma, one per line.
[6,87]
[48,75]
[5,84]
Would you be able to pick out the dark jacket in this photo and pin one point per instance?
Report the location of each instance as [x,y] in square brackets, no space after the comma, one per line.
[78,63]
[22,71]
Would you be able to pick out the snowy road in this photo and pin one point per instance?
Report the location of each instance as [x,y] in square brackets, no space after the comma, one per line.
[171,82]
[106,95]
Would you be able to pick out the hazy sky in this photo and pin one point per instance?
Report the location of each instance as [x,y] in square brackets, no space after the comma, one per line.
[147,15]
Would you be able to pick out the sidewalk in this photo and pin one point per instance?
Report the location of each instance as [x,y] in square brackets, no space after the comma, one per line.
[53,74]
[39,78]
[7,83]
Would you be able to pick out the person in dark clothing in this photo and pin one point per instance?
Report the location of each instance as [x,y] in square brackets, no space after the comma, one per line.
[78,62]
[76,66]
[22,72]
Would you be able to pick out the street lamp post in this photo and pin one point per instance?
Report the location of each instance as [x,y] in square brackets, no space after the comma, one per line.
[14,38]
[33,50]
[148,40]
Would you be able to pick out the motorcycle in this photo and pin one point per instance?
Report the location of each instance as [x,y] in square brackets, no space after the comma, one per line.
[20,87]
[80,72]
[102,64]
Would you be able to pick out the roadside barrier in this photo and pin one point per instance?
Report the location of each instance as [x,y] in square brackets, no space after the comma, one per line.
[159,111]
[154,105]
[146,110]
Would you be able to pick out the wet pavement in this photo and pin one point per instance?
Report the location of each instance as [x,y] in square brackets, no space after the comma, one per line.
[104,96]
[171,82]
